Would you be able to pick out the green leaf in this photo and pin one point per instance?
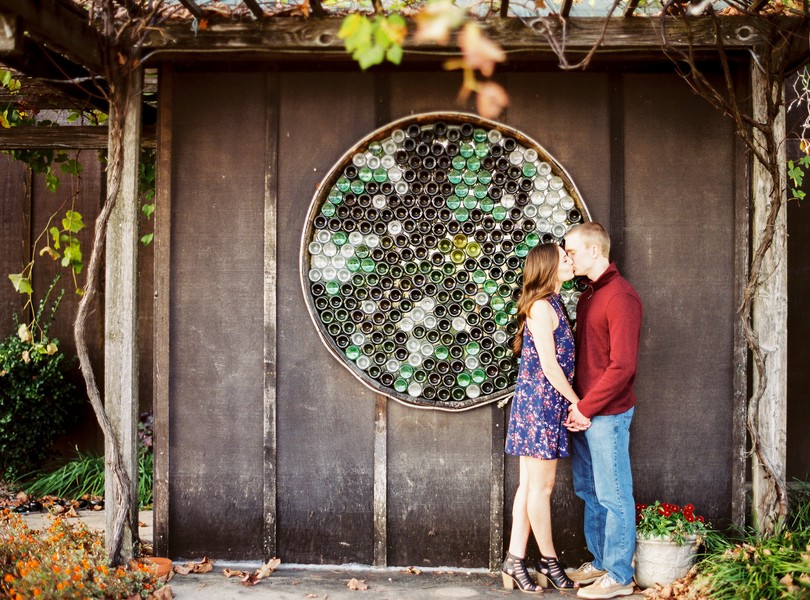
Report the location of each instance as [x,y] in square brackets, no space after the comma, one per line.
[148,209]
[394,54]
[51,181]
[5,76]
[72,221]
[805,160]
[73,257]
[55,236]
[350,26]
[371,56]
[21,284]
[73,116]
[147,239]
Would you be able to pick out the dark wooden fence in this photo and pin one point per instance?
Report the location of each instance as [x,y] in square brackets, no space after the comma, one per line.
[267,445]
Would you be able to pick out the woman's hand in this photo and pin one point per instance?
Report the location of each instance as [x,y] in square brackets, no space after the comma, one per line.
[576,421]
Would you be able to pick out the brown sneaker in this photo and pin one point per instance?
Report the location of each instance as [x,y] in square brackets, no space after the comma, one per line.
[605,587]
[586,574]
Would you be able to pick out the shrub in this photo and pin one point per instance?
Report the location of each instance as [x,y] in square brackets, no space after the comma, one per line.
[64,561]
[36,400]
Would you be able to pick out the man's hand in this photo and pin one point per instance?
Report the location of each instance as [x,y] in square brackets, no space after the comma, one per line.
[576,421]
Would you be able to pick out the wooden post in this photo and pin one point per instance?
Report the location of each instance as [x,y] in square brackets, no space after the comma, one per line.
[770,310]
[121,314]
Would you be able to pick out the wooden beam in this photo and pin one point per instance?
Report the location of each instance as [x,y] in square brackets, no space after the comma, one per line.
[631,8]
[566,8]
[160,380]
[770,307]
[61,26]
[271,267]
[516,36]
[254,7]
[121,319]
[67,137]
[192,7]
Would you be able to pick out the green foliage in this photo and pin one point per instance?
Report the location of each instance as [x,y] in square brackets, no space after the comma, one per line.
[147,172]
[84,475]
[64,245]
[761,568]
[669,521]
[36,400]
[49,162]
[371,41]
[796,172]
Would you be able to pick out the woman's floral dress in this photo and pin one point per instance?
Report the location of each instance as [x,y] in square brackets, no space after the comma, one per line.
[538,410]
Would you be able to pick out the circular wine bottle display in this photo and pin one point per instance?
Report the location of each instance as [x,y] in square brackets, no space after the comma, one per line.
[413,249]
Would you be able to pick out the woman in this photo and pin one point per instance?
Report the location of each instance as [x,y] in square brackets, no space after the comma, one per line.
[536,432]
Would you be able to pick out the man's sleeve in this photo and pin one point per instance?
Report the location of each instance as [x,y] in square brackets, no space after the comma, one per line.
[624,329]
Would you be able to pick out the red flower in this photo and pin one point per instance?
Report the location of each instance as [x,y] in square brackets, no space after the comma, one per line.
[700,518]
[689,517]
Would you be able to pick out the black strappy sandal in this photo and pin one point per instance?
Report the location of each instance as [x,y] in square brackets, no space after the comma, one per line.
[551,571]
[514,573]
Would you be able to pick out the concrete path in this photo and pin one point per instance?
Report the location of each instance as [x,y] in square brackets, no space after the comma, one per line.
[300,582]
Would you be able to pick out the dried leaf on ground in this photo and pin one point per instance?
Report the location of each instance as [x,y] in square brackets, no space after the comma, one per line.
[356,584]
[233,573]
[249,579]
[412,571]
[72,513]
[164,593]
[203,566]
[267,568]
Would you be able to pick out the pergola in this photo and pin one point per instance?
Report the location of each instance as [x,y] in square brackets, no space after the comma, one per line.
[55,41]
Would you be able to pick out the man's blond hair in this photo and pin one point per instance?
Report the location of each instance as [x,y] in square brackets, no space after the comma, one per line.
[594,235]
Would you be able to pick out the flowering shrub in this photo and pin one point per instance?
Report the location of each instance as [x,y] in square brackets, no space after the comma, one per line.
[669,522]
[64,561]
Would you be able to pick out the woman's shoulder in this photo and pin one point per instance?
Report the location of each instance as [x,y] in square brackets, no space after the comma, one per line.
[543,307]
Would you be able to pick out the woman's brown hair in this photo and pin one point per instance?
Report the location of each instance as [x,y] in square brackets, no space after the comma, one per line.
[539,279]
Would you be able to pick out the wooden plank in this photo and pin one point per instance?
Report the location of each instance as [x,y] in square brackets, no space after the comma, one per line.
[271,118]
[742,219]
[496,488]
[616,173]
[515,35]
[217,338]
[66,136]
[15,234]
[62,26]
[769,313]
[682,444]
[381,481]
[121,319]
[439,476]
[161,331]
[326,419]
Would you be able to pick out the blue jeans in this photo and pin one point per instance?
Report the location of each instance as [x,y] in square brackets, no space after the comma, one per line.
[600,463]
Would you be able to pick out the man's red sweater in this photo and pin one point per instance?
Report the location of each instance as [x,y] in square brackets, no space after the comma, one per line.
[607,337]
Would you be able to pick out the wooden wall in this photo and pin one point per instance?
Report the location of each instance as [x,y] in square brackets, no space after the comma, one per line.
[272,447]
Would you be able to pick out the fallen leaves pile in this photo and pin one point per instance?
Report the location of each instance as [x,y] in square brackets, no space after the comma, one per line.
[246,578]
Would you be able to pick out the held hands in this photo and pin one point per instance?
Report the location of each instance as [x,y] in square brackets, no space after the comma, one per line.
[576,421]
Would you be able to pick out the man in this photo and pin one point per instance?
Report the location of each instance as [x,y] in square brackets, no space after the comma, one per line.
[607,338]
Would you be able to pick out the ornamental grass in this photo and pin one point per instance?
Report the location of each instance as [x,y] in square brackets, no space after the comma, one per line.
[752,568]
[65,561]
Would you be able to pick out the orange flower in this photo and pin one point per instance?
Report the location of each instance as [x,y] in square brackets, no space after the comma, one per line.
[9,578]
[36,592]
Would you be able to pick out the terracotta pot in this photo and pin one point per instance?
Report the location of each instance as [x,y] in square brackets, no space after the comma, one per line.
[663,561]
[161,566]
